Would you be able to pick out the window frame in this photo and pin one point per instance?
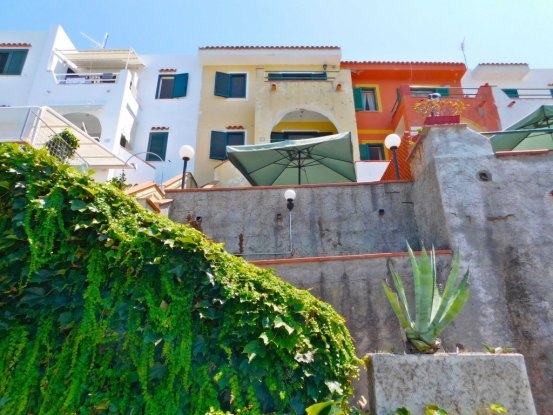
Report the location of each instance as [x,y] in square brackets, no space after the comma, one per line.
[152,138]
[15,61]
[365,151]
[178,87]
[297,76]
[224,85]
[358,95]
[228,138]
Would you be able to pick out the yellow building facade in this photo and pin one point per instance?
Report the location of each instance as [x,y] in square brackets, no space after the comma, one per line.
[258,95]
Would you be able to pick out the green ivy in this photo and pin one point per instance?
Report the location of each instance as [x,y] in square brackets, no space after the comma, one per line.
[108,308]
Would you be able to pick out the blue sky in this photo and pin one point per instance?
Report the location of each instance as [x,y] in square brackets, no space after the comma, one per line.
[494,31]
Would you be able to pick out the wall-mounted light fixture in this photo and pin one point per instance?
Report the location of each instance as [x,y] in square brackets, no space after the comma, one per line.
[392,142]
[186,153]
[324,67]
[273,87]
[290,196]
[338,87]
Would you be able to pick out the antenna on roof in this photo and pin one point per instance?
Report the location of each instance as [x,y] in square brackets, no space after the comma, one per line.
[463,50]
[95,42]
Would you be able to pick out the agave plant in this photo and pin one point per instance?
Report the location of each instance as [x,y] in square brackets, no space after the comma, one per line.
[434,311]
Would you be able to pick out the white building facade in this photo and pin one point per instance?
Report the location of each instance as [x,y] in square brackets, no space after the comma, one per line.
[129,112]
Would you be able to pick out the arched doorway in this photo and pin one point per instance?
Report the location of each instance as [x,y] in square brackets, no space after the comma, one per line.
[302,123]
[89,123]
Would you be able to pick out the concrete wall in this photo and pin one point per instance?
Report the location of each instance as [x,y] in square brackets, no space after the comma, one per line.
[326,220]
[497,211]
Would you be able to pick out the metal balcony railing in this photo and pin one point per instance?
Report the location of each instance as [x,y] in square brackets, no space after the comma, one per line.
[88,78]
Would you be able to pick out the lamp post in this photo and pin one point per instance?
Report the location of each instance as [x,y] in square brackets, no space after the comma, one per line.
[150,154]
[186,153]
[290,196]
[392,142]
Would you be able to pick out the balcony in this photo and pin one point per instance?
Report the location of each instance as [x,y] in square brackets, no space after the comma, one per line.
[36,125]
[481,111]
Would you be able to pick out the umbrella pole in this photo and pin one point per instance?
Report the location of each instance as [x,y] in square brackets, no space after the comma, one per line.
[299,180]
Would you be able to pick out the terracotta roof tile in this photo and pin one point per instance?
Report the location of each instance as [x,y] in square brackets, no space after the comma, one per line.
[400,63]
[15,45]
[267,47]
[504,64]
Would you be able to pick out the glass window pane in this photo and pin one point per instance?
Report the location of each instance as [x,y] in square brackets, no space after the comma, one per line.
[158,145]
[165,89]
[369,100]
[238,86]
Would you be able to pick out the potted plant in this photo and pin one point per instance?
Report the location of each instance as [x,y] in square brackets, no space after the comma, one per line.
[439,111]
[63,145]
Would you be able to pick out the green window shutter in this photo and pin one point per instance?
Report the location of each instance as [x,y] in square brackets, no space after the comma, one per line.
[364,151]
[444,92]
[157,144]
[14,65]
[358,98]
[222,84]
[218,145]
[180,85]
[511,92]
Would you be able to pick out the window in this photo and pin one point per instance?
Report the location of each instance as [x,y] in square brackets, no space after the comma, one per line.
[157,144]
[365,99]
[231,85]
[511,92]
[172,86]
[220,140]
[295,135]
[297,76]
[371,151]
[12,61]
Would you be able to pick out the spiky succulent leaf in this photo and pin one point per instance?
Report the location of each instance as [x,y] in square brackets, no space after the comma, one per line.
[404,321]
[449,288]
[400,290]
[455,305]
[424,281]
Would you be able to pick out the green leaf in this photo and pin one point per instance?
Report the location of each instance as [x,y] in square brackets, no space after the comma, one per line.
[394,302]
[321,408]
[77,205]
[424,282]
[280,323]
[334,387]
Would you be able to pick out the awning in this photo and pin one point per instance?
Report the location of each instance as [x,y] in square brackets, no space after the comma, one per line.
[104,59]
[327,159]
[533,132]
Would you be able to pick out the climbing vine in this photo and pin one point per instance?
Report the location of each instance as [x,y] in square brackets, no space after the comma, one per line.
[108,308]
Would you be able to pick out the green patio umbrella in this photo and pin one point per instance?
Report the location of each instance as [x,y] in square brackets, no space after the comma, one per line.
[327,159]
[533,132]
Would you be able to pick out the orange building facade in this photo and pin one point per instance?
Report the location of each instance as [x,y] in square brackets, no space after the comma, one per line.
[386,93]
